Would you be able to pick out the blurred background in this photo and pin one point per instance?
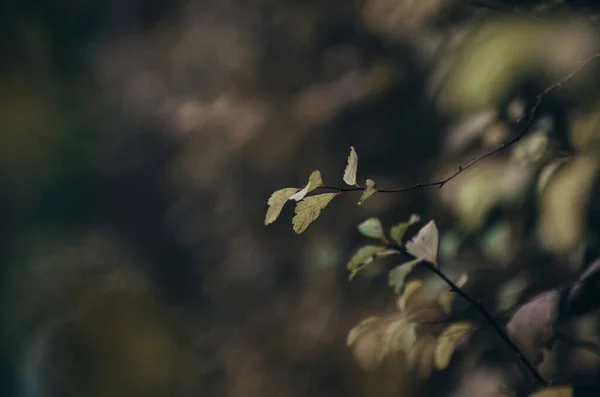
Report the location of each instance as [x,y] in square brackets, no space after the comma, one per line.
[141,139]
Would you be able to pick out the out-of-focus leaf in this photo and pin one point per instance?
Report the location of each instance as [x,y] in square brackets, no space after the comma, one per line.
[462,280]
[450,243]
[509,293]
[360,328]
[351,168]
[496,243]
[309,209]
[584,295]
[397,232]
[369,191]
[420,356]
[485,187]
[404,337]
[563,204]
[397,275]
[425,244]
[533,149]
[409,290]
[276,203]
[585,134]
[366,255]
[558,391]
[448,341]
[532,326]
[445,299]
[547,172]
[314,181]
[372,228]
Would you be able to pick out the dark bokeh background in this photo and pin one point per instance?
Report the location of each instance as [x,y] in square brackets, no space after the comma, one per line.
[140,142]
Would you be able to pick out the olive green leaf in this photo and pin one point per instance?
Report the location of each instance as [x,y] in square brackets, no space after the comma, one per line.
[397,276]
[309,209]
[448,341]
[314,181]
[366,255]
[276,203]
[369,191]
[397,232]
[372,228]
[425,244]
[351,168]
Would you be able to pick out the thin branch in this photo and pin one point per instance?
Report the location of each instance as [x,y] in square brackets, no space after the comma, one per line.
[497,327]
[526,125]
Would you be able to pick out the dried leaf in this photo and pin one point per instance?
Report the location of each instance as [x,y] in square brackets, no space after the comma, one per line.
[276,203]
[447,342]
[314,181]
[532,326]
[369,191]
[372,228]
[397,276]
[397,232]
[409,290]
[425,244]
[309,209]
[351,168]
[445,299]
[558,391]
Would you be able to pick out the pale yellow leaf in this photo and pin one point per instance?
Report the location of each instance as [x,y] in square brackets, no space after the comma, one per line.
[447,342]
[351,168]
[558,391]
[409,290]
[360,328]
[369,191]
[276,203]
[445,299]
[425,244]
[309,209]
[314,181]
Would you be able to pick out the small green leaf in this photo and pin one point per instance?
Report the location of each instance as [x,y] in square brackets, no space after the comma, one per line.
[309,209]
[366,255]
[447,342]
[351,168]
[425,244]
[276,203]
[372,228]
[369,191]
[397,232]
[314,181]
[397,276]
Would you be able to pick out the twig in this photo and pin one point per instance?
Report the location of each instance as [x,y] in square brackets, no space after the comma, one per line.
[526,127]
[497,328]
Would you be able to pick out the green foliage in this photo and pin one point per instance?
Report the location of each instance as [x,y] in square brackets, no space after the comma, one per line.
[309,209]
[397,232]
[372,228]
[397,276]
[366,255]
[314,181]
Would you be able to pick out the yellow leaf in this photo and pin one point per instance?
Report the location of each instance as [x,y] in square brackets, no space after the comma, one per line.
[276,203]
[359,329]
[447,342]
[409,290]
[309,209]
[445,300]
[351,168]
[558,391]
